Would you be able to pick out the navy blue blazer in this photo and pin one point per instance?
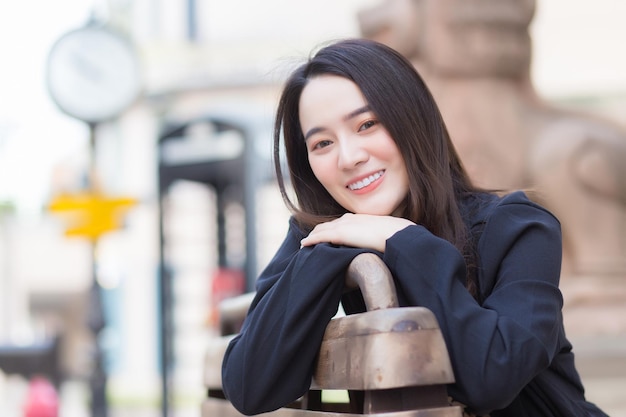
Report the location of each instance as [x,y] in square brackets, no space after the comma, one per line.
[509,353]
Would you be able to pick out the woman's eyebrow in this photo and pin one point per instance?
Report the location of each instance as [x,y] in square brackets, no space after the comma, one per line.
[357,112]
[313,131]
[347,117]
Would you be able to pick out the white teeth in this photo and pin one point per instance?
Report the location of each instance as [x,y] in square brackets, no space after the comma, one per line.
[365,181]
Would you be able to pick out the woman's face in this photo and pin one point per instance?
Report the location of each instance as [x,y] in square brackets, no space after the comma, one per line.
[350,152]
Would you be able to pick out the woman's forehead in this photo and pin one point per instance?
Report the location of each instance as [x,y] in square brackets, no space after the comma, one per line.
[330,99]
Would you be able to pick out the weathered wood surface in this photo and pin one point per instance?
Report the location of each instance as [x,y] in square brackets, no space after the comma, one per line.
[383,349]
[370,274]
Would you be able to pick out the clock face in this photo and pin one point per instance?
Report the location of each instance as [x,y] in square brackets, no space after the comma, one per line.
[93,74]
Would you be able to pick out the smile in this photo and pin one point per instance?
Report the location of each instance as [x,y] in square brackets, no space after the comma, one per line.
[365,181]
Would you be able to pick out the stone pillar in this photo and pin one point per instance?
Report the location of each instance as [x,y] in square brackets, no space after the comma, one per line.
[475,56]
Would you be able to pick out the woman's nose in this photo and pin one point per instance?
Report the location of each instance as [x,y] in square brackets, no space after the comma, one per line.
[351,153]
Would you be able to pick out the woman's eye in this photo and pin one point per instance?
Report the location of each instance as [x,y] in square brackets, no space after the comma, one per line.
[367,125]
[321,144]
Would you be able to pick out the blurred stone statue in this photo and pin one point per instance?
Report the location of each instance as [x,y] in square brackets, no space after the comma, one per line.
[475,55]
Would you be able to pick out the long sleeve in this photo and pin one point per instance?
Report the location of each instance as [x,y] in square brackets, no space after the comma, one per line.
[496,349]
[270,363]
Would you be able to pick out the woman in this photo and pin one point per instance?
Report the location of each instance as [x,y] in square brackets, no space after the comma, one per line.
[374,170]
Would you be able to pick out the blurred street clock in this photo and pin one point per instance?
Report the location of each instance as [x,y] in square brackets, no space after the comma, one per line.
[93,74]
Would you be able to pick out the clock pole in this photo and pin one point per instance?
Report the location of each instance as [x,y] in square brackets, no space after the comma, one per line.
[93,75]
[96,214]
[96,319]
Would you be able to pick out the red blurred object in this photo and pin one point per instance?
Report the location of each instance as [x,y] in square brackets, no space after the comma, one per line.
[226,283]
[42,399]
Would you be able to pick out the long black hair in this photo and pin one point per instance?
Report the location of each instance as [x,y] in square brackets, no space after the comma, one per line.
[403,104]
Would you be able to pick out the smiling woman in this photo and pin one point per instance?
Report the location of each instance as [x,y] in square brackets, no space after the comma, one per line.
[374,170]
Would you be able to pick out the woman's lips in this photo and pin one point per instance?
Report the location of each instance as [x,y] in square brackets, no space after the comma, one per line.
[362,183]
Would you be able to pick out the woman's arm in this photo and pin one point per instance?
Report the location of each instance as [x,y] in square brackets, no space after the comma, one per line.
[496,348]
[270,363]
[357,230]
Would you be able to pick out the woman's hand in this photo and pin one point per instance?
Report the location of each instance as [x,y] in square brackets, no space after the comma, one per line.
[357,230]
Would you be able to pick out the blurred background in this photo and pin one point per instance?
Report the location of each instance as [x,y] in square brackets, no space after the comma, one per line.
[120,232]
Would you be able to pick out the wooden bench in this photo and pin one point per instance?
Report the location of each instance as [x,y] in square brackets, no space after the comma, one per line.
[392,361]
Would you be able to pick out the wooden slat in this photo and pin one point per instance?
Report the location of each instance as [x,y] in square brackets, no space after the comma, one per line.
[380,349]
[383,349]
[401,319]
[221,408]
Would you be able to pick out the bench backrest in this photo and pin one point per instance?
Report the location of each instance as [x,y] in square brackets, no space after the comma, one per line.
[389,359]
